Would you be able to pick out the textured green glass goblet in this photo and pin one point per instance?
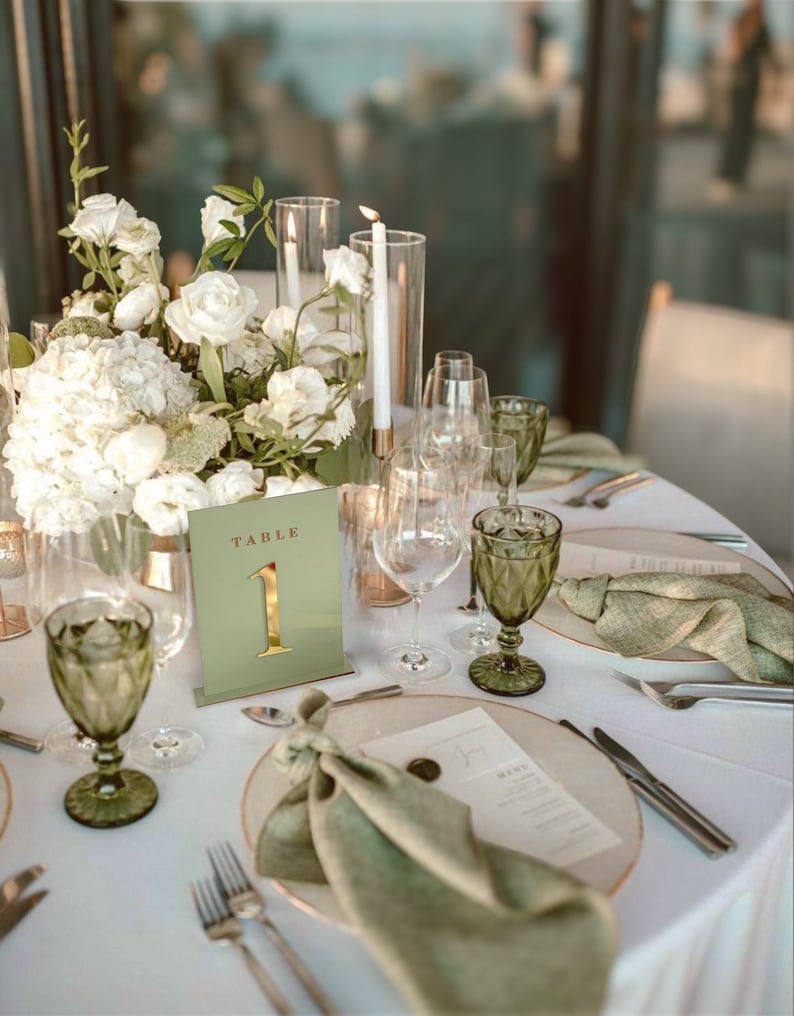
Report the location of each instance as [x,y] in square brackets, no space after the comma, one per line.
[525,421]
[99,652]
[515,551]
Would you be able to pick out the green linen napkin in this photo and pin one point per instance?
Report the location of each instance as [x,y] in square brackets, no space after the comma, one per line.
[459,925]
[561,457]
[730,617]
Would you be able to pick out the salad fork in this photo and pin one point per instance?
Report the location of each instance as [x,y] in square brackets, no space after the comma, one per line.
[246,902]
[221,926]
[756,695]
[580,500]
[627,488]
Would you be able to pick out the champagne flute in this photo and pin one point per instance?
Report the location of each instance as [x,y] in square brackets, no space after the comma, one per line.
[455,409]
[168,595]
[416,541]
[491,481]
[460,362]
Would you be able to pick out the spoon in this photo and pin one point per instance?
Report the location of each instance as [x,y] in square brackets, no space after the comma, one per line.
[272,716]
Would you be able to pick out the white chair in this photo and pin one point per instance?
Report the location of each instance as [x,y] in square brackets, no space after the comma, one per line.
[712,411]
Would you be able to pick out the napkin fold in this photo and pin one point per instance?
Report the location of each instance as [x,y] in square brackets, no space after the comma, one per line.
[733,618]
[458,924]
[561,457]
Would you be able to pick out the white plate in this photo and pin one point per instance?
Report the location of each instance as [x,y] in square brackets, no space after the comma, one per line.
[5,799]
[556,617]
[568,758]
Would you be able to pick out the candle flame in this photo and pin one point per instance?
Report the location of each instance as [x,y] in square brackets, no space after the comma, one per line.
[292,231]
[369,213]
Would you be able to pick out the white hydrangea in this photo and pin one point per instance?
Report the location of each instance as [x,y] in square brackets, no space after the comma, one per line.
[80,394]
[235,481]
[164,501]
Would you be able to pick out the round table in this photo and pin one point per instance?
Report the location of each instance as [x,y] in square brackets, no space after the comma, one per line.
[118,934]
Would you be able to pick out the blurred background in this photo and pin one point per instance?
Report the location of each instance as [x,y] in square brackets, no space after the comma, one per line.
[561,157]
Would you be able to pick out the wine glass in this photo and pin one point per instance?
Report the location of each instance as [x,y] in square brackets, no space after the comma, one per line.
[491,480]
[460,362]
[100,658]
[158,573]
[516,550]
[525,420]
[455,409]
[416,540]
[61,569]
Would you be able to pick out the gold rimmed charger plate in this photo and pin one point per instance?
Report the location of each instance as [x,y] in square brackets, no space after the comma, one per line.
[556,617]
[583,770]
[5,799]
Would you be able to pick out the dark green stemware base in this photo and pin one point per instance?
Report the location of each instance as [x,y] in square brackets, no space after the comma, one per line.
[87,803]
[522,677]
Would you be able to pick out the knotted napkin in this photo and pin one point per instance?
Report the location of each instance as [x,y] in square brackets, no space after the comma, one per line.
[733,618]
[561,457]
[459,925]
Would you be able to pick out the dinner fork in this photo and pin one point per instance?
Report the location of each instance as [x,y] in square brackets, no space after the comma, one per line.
[626,488]
[580,500]
[247,902]
[687,701]
[221,926]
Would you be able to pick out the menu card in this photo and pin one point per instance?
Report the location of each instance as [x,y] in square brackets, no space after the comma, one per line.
[514,802]
[581,561]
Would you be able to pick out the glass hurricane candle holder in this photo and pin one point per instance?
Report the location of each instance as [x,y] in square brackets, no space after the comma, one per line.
[99,652]
[515,550]
[305,227]
[525,420]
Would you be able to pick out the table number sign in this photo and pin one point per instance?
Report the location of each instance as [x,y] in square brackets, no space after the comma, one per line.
[268,594]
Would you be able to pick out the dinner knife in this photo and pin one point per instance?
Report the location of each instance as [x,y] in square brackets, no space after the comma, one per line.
[693,831]
[645,776]
[12,887]
[721,539]
[11,915]
[21,741]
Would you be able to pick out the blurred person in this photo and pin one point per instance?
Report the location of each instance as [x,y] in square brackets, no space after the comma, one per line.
[749,46]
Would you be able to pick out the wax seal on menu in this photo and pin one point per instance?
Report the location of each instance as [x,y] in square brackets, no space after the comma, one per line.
[426,769]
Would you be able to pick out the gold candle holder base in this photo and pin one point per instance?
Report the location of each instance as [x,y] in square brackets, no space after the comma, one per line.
[13,621]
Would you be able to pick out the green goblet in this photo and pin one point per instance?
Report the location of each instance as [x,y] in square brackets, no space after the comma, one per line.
[515,550]
[100,657]
[525,420]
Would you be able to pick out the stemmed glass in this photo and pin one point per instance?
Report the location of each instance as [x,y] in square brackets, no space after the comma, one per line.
[491,480]
[100,658]
[158,573]
[516,550]
[61,569]
[416,541]
[525,420]
[460,363]
[455,409]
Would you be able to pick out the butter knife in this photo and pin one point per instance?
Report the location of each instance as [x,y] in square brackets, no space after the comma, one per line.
[21,741]
[693,831]
[12,887]
[645,776]
[11,915]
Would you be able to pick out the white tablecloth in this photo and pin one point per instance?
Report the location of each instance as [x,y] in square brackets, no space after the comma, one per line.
[117,933]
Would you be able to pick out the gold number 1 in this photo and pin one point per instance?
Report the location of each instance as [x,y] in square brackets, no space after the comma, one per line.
[270,584]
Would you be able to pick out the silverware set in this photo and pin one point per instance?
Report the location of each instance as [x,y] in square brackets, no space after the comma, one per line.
[13,905]
[607,489]
[712,840]
[227,899]
[685,694]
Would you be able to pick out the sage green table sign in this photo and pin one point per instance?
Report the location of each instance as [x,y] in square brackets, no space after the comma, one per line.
[268,594]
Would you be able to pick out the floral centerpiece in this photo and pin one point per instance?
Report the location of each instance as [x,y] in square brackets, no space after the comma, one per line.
[146,404]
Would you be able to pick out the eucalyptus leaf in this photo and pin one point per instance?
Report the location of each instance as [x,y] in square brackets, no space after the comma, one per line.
[230,225]
[270,233]
[259,188]
[88,280]
[236,194]
[20,351]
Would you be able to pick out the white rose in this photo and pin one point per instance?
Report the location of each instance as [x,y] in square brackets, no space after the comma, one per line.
[234,482]
[214,307]
[134,271]
[137,237]
[323,349]
[346,268]
[137,452]
[164,501]
[278,485]
[299,399]
[279,325]
[139,307]
[81,304]
[99,218]
[216,208]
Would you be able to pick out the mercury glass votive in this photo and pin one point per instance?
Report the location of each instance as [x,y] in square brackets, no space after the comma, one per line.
[100,656]
[525,420]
